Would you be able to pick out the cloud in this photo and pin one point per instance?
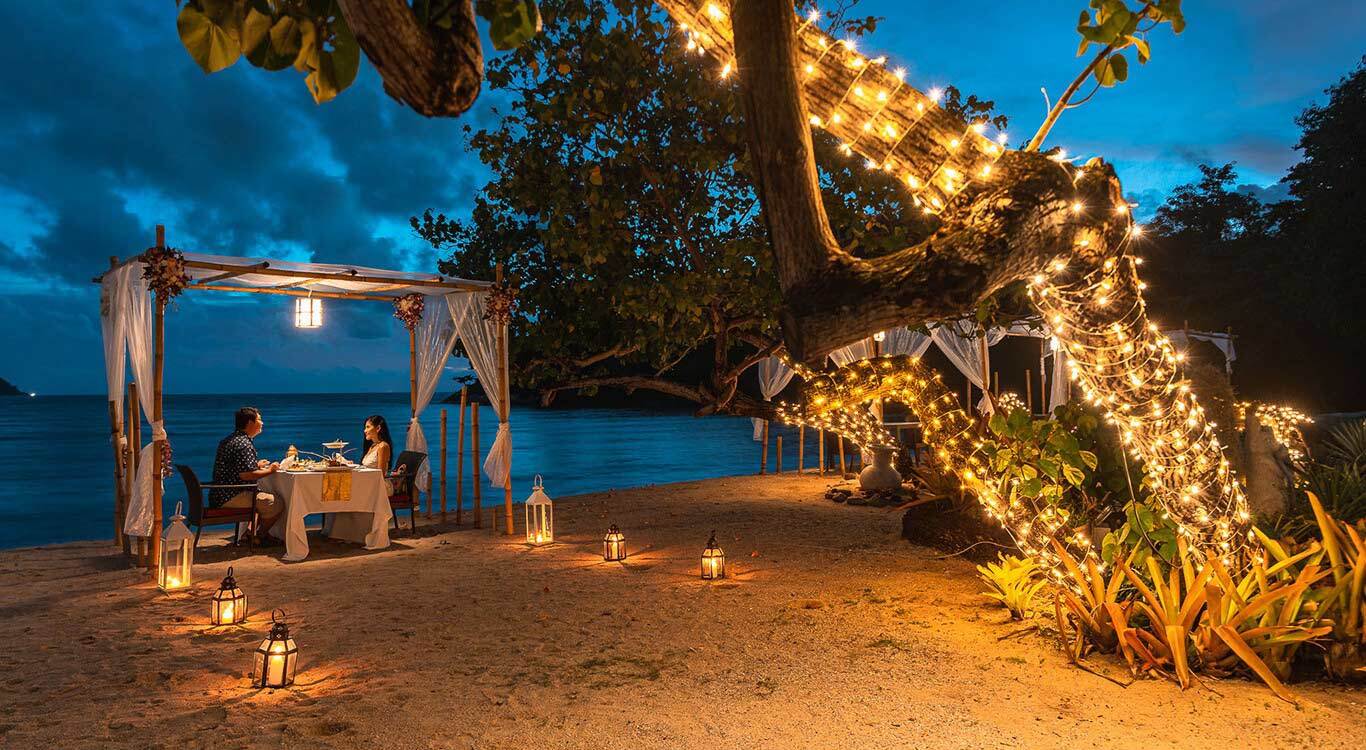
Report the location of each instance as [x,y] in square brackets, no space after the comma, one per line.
[115,130]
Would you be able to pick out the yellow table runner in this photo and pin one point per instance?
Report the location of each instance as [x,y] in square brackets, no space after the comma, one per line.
[337,487]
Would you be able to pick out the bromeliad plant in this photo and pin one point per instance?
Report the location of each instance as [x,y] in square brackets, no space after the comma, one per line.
[1014,582]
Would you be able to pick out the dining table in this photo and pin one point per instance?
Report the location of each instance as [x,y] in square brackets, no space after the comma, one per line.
[355,499]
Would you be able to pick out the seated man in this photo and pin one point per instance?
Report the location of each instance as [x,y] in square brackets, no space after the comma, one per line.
[236,463]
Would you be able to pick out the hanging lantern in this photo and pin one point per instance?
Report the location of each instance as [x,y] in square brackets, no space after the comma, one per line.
[276,657]
[177,554]
[540,515]
[880,336]
[308,312]
[229,603]
[713,560]
[614,545]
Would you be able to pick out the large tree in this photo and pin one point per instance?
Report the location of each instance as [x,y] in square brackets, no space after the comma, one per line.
[623,203]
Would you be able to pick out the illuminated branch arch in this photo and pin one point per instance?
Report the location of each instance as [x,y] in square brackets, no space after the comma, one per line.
[1004,216]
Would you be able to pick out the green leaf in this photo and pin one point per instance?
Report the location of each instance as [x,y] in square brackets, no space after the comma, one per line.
[511,22]
[255,32]
[209,44]
[336,68]
[1049,468]
[307,59]
[1031,487]
[1074,476]
[997,424]
[1089,458]
[1141,46]
[1018,421]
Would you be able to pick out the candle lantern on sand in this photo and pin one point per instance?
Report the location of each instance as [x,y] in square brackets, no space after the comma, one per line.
[713,560]
[229,603]
[614,545]
[177,554]
[276,657]
[540,515]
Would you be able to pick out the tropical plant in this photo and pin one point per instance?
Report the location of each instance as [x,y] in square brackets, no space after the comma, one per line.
[1014,582]
[1345,603]
[1345,444]
[1101,614]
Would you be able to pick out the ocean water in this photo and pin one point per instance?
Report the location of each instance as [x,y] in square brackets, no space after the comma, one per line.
[56,480]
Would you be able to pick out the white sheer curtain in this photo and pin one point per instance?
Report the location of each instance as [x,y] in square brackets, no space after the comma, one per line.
[435,337]
[773,378]
[480,338]
[131,306]
[1058,388]
[960,342]
[111,326]
[905,341]
[858,350]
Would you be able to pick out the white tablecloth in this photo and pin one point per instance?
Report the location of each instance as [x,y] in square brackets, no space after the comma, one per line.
[302,494]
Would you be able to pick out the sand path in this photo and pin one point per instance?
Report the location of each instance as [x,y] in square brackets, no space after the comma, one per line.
[832,633]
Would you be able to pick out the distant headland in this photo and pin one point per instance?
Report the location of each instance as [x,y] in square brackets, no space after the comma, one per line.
[8,389]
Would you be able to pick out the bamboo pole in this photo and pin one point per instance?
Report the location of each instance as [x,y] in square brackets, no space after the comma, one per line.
[158,446]
[996,383]
[820,451]
[763,451]
[412,410]
[292,292]
[443,465]
[256,270]
[130,460]
[843,471]
[115,439]
[504,397]
[986,370]
[778,468]
[1029,392]
[801,448]
[460,459]
[478,508]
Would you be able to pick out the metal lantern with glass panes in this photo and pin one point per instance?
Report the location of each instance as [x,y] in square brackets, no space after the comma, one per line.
[177,554]
[276,657]
[229,603]
[540,515]
[614,545]
[713,560]
[308,312]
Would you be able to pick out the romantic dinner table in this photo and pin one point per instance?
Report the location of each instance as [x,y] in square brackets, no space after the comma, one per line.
[356,496]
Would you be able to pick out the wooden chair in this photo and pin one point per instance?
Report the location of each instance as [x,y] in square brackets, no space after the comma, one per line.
[200,514]
[405,491]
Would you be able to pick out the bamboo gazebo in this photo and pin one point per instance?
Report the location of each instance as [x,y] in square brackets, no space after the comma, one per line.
[436,310]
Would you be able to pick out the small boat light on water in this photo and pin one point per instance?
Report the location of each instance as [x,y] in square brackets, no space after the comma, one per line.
[540,515]
[229,603]
[713,560]
[614,545]
[308,312]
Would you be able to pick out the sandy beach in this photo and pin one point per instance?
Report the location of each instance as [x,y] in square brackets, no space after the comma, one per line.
[831,632]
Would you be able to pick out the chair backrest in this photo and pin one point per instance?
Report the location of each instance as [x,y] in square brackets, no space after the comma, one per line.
[194,494]
[406,466]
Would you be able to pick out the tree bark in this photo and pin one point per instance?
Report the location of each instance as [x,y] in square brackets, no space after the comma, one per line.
[435,71]
[993,231]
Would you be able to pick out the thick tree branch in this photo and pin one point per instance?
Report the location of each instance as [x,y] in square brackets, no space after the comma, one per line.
[435,71]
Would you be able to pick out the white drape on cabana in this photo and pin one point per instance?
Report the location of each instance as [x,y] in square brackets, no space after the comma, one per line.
[128,327]
[435,336]
[480,339]
[773,378]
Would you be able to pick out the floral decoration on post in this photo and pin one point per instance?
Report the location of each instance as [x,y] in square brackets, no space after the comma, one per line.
[408,309]
[164,269]
[501,302]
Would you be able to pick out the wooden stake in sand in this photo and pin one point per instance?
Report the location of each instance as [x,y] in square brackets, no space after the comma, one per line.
[801,447]
[505,398]
[412,412]
[115,439]
[820,452]
[443,465]
[130,459]
[1029,391]
[779,453]
[843,471]
[460,458]
[763,451]
[478,509]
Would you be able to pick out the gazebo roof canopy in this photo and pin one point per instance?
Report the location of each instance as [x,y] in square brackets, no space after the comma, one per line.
[225,273]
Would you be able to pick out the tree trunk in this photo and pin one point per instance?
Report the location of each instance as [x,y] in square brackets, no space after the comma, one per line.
[1002,220]
[435,71]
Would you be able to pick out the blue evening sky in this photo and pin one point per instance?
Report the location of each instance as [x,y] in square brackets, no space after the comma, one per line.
[108,128]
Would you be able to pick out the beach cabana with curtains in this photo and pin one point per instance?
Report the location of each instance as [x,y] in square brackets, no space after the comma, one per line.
[437,312]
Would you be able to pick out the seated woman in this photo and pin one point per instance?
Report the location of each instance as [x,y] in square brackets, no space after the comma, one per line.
[377,448]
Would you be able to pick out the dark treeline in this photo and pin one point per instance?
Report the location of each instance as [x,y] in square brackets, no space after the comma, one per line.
[1286,276]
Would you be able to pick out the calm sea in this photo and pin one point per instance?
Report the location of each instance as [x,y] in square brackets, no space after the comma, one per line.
[56,480]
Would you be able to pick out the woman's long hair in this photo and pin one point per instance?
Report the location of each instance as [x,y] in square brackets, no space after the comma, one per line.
[384,437]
